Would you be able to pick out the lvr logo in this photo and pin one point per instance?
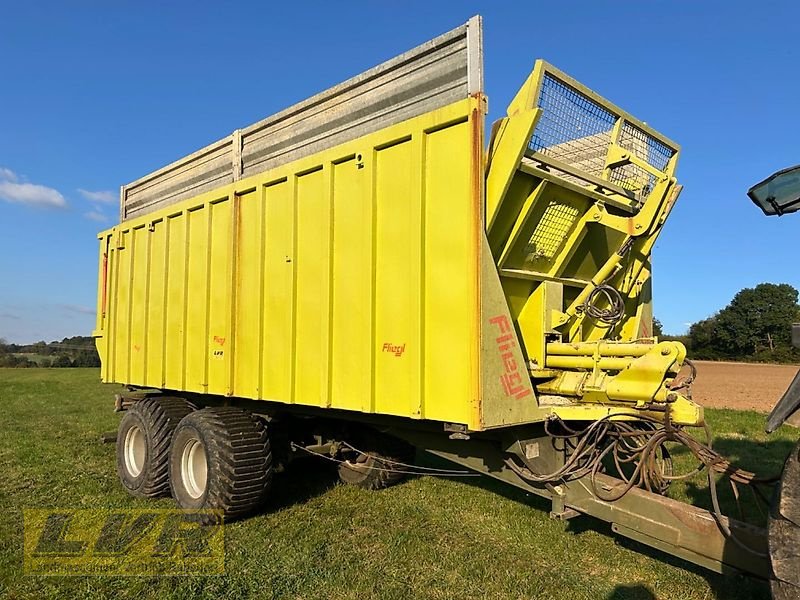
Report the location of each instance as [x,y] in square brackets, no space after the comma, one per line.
[396,349]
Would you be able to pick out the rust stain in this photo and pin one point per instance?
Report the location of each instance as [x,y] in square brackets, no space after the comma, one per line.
[104,284]
[693,521]
[236,282]
[477,193]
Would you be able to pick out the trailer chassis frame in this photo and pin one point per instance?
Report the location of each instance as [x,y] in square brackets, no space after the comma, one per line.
[677,528]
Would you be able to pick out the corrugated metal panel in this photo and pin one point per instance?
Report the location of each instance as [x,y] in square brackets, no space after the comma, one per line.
[435,74]
[195,174]
[332,281]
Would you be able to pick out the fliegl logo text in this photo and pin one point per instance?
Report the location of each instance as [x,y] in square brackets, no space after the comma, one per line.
[512,377]
[396,349]
[121,542]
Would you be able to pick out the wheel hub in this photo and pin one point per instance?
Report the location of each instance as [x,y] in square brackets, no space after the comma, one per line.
[135,450]
[194,468]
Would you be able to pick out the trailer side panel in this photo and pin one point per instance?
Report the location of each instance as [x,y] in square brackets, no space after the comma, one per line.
[347,279]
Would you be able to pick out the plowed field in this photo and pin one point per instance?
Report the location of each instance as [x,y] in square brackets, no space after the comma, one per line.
[741,386]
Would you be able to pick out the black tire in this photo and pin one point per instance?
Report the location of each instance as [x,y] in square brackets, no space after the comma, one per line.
[375,468]
[234,446]
[784,531]
[143,441]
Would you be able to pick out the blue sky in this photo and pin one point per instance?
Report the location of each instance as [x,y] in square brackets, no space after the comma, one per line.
[94,95]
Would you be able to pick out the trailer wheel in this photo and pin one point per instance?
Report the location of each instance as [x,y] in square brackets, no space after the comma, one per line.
[220,459]
[376,467]
[143,441]
[784,531]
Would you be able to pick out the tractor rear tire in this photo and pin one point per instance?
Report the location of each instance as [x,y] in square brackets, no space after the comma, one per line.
[220,461]
[143,442]
[376,467]
[784,531]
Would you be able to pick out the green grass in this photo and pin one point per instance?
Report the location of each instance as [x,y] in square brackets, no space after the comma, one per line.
[426,538]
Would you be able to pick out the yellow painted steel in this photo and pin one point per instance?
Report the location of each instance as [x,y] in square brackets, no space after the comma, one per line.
[411,272]
[348,279]
[577,192]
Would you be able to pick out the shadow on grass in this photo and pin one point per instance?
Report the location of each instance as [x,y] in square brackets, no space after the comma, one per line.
[765,459]
[315,477]
[300,483]
[728,586]
[631,592]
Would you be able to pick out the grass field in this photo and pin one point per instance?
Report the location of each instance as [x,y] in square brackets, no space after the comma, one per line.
[426,538]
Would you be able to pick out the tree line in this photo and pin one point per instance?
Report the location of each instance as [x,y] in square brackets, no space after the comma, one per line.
[77,351]
[755,326]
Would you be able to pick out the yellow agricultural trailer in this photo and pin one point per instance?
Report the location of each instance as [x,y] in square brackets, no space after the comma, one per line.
[363,273]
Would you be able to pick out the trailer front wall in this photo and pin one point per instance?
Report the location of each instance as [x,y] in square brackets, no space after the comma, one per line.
[348,279]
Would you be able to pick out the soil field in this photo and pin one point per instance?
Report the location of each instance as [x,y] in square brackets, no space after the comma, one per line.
[741,386]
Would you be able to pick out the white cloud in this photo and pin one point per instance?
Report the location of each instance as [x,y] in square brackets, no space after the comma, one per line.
[29,193]
[7,174]
[99,196]
[75,308]
[96,215]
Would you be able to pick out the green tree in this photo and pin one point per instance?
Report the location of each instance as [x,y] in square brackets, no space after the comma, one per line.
[756,320]
[8,359]
[86,358]
[703,338]
[62,360]
[658,328]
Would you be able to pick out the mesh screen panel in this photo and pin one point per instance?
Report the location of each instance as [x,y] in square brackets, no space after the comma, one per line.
[576,130]
[634,179]
[551,231]
[645,146]
[572,128]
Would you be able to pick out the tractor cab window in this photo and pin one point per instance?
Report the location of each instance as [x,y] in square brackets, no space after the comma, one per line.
[779,193]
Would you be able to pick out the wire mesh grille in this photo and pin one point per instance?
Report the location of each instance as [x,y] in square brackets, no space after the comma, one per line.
[552,229]
[645,146]
[577,130]
[634,179]
[573,128]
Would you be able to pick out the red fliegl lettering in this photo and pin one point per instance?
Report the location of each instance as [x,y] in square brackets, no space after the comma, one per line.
[511,380]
